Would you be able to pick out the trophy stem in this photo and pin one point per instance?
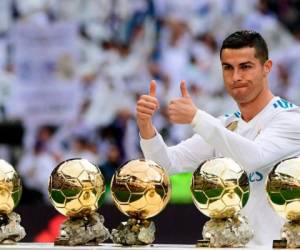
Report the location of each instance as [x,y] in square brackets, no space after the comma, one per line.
[134,232]
[11,230]
[228,232]
[87,230]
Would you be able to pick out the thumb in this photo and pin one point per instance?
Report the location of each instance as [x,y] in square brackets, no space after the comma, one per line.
[183,88]
[152,88]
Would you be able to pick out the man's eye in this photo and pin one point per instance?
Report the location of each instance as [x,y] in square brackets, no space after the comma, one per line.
[246,66]
[226,67]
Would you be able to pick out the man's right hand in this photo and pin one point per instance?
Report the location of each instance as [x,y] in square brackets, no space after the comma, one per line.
[145,109]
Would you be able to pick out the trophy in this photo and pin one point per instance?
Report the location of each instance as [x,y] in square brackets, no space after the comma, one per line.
[220,189]
[283,191]
[140,189]
[75,190]
[10,194]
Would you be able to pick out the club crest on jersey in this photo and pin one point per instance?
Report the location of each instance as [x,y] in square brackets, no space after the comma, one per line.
[232,126]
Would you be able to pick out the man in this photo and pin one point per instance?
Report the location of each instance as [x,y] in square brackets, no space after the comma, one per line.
[264,131]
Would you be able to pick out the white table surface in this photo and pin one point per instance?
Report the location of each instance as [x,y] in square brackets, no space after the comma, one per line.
[43,246]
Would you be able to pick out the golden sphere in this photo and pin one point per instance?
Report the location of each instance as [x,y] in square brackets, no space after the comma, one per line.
[283,188]
[220,188]
[75,187]
[10,188]
[140,189]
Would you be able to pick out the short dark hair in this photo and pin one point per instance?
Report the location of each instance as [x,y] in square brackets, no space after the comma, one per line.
[247,38]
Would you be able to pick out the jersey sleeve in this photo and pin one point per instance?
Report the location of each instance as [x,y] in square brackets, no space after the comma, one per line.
[185,156]
[280,139]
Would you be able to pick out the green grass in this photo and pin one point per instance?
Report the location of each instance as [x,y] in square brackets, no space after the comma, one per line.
[181,193]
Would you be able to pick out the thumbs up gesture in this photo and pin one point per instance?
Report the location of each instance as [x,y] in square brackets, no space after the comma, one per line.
[182,110]
[145,109]
[183,89]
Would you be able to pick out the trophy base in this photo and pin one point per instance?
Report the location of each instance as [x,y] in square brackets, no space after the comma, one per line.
[11,230]
[228,232]
[85,231]
[290,234]
[203,243]
[60,241]
[280,243]
[134,232]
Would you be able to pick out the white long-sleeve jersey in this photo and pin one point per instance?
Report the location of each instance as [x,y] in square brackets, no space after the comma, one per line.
[272,135]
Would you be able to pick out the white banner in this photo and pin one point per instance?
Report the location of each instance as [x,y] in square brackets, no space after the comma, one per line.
[46,87]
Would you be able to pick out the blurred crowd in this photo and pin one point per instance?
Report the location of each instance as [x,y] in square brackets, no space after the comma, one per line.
[122,45]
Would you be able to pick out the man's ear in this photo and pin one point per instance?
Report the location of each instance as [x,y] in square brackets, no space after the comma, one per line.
[268,66]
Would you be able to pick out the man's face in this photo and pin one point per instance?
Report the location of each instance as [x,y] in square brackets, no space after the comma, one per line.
[245,76]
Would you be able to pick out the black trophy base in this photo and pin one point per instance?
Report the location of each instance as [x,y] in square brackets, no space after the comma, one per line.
[280,243]
[60,241]
[203,243]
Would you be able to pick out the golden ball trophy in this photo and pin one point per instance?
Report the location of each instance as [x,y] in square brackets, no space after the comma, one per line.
[10,194]
[140,189]
[75,190]
[220,188]
[283,191]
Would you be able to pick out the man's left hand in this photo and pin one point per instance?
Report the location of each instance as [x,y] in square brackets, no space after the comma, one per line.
[182,110]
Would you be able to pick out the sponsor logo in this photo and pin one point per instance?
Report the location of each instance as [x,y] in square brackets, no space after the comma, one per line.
[255,176]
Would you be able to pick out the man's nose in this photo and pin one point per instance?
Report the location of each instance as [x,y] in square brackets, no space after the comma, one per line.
[236,75]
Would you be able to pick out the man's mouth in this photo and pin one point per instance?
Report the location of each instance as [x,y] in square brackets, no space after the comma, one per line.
[239,86]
